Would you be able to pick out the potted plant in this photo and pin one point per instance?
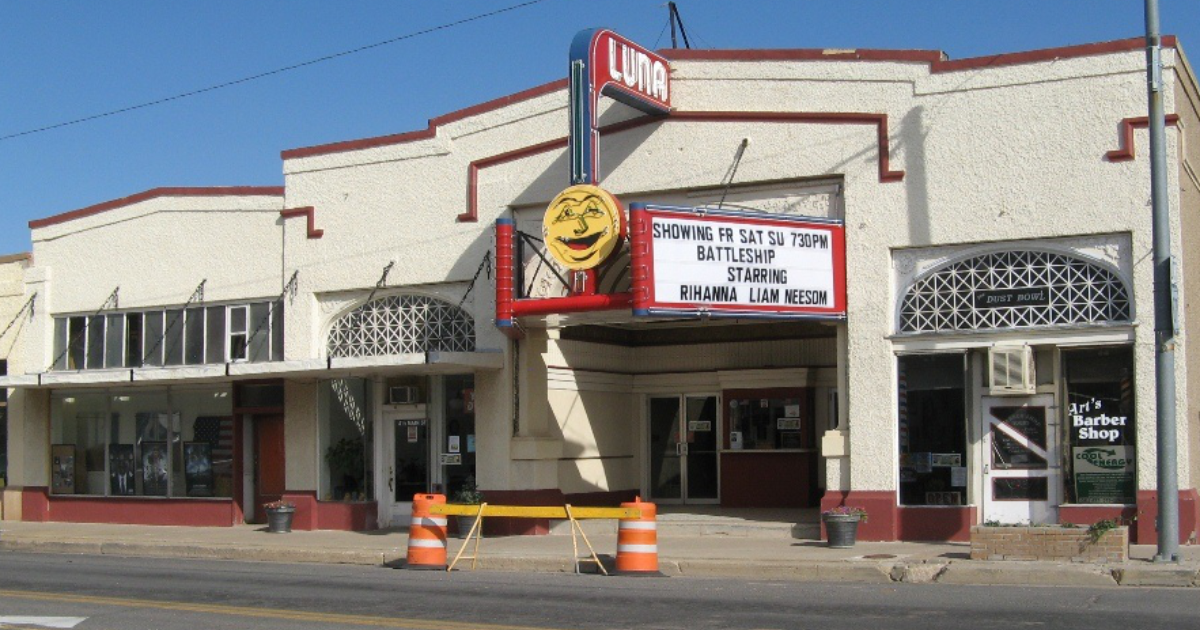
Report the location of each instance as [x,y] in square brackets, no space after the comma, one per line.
[346,458]
[279,516]
[841,525]
[468,494]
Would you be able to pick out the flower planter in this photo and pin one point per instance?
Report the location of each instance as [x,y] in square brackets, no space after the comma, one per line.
[1049,542]
[842,529]
[279,520]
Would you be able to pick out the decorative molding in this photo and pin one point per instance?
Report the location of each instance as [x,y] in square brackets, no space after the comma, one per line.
[214,191]
[306,211]
[1125,136]
[880,121]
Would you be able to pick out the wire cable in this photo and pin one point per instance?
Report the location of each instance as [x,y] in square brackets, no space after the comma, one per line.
[269,73]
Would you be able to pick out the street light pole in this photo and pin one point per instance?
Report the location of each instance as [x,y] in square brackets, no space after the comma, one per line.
[1164,311]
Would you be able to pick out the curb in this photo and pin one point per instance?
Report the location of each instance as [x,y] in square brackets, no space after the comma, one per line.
[976,572]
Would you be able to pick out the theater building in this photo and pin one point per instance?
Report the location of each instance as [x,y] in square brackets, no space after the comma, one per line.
[720,279]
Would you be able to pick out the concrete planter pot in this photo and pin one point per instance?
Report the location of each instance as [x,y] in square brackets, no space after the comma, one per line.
[842,530]
[1049,542]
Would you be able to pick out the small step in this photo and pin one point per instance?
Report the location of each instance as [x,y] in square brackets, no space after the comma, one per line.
[691,524]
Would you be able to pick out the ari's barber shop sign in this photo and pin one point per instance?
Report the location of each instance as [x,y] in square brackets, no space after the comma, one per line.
[1102,452]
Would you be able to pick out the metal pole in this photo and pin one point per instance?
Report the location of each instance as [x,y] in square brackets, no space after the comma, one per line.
[1164,321]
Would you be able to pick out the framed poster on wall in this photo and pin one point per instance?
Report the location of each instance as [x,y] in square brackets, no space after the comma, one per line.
[121,467]
[154,469]
[62,469]
[197,469]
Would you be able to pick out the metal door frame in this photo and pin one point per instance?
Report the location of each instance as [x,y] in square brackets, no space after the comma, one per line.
[681,447]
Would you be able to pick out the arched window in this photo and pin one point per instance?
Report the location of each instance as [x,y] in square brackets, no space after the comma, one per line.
[1014,289]
[400,324]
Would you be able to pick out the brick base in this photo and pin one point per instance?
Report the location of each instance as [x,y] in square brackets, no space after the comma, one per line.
[1063,544]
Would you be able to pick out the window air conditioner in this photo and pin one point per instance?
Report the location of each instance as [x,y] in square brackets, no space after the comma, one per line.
[1010,371]
[405,395]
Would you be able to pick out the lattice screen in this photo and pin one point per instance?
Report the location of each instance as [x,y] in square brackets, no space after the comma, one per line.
[1076,292]
[401,324]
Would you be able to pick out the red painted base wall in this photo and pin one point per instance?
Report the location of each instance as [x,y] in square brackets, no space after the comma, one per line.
[129,510]
[742,476]
[888,521]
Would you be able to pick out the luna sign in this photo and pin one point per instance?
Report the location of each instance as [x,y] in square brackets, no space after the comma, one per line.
[604,63]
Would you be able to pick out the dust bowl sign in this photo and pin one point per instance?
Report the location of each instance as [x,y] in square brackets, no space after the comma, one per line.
[736,264]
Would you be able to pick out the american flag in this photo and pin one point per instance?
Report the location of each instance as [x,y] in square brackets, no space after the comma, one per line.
[217,431]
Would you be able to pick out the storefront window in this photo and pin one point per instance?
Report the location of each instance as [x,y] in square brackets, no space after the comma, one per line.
[77,443]
[770,420]
[346,440]
[460,432]
[932,424]
[1100,425]
[150,442]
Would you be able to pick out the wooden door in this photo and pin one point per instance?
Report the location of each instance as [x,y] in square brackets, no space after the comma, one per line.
[269,481]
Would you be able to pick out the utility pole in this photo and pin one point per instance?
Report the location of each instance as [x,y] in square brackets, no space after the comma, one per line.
[1164,308]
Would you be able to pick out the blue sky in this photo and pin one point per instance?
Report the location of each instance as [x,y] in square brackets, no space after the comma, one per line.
[65,59]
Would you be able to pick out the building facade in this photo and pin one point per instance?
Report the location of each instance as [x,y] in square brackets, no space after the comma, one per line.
[346,340]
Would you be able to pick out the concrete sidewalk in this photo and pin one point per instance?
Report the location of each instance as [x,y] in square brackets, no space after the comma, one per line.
[759,558]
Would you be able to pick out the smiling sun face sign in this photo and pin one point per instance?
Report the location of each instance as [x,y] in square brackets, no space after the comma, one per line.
[583,226]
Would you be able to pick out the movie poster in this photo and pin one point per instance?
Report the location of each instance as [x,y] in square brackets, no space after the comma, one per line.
[121,467]
[197,469]
[62,468]
[154,469]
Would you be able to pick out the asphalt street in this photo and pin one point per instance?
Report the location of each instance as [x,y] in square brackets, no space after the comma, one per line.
[137,593]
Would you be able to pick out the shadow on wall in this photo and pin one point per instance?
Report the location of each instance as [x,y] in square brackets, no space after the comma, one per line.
[598,432]
[916,176]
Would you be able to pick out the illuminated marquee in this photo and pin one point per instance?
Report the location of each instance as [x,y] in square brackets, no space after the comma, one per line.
[703,261]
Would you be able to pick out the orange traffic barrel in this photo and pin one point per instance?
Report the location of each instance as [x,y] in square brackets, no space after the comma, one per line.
[426,534]
[637,541]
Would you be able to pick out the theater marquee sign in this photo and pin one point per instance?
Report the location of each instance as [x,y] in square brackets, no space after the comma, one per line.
[737,264]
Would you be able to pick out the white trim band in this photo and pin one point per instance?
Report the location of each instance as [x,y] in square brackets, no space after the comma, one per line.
[637,548]
[434,543]
[428,521]
[642,525]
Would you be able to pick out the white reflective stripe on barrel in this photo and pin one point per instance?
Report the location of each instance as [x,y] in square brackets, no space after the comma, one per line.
[428,521]
[426,542]
[637,548]
[638,525]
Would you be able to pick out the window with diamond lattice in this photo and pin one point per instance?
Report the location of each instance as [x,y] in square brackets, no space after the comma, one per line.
[401,324]
[1014,289]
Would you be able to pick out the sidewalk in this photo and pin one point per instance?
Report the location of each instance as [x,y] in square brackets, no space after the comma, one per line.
[759,558]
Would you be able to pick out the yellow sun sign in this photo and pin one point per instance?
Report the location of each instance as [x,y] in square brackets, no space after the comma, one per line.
[583,226]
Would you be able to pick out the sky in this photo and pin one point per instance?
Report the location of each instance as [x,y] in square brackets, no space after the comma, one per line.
[62,60]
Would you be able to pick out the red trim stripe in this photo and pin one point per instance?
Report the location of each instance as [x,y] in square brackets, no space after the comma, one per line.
[306,211]
[1125,136]
[431,130]
[213,191]
[886,173]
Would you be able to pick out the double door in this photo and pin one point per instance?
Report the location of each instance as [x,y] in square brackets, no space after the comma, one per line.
[684,453]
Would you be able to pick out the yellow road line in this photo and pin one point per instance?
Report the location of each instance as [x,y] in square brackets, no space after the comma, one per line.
[269,613]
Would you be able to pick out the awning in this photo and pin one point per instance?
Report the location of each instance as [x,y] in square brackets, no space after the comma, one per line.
[433,362]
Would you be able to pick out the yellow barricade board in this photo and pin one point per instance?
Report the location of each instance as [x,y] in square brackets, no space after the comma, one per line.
[534,511]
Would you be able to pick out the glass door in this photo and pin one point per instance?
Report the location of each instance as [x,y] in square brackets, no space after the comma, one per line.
[1021,471]
[666,450]
[683,449]
[407,461]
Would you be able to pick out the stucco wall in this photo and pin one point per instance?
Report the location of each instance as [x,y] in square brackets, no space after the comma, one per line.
[1187,105]
[990,154]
